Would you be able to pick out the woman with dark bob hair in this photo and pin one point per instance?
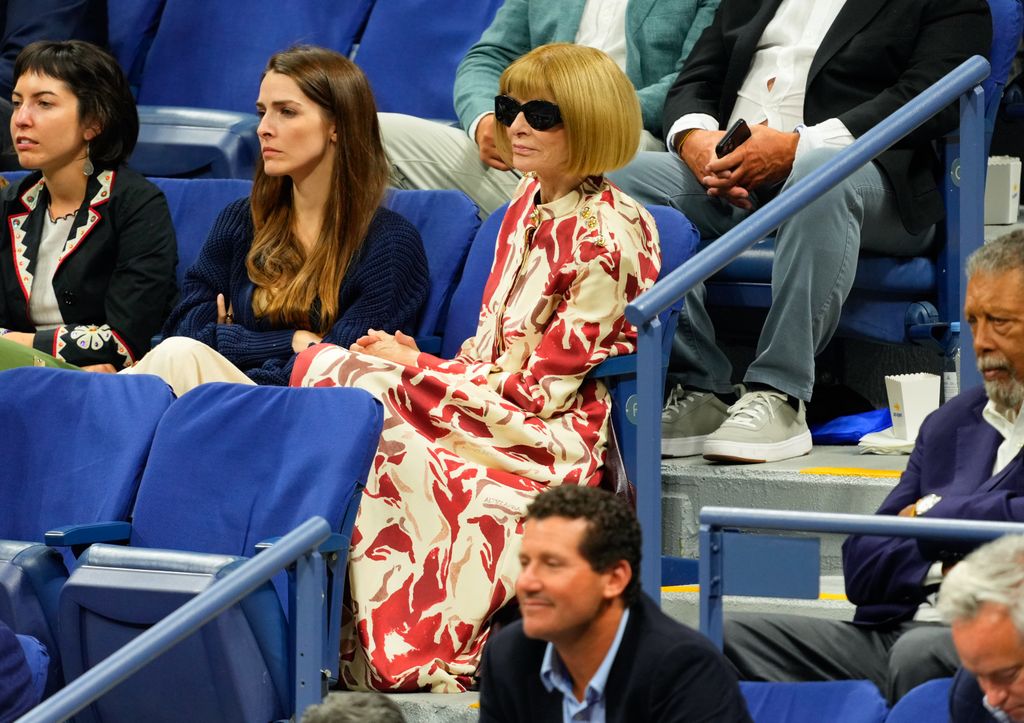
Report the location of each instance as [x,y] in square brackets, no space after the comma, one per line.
[87,269]
[469,442]
[311,255]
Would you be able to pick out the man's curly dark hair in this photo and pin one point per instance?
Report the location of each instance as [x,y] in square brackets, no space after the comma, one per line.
[613,532]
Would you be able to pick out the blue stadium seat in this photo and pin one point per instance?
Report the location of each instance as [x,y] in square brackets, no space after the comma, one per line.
[927,702]
[192,122]
[410,50]
[678,242]
[849,701]
[896,299]
[74,446]
[131,27]
[195,143]
[230,466]
[195,204]
[447,222]
[212,54]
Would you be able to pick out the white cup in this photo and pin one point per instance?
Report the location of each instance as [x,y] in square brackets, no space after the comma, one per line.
[912,397]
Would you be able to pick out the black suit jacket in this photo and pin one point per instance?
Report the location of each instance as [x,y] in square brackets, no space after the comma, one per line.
[965,704]
[115,282]
[663,671]
[953,457]
[877,56]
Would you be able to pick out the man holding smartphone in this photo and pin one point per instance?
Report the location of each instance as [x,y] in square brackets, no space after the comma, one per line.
[807,78]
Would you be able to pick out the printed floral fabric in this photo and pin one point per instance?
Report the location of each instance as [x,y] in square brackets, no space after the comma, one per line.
[468,443]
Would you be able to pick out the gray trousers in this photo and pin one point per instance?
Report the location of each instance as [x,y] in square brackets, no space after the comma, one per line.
[429,154]
[797,647]
[814,265]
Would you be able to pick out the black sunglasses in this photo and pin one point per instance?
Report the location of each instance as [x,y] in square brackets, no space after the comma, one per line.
[542,115]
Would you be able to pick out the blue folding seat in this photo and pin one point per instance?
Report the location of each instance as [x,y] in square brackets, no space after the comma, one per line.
[849,701]
[410,52]
[74,445]
[195,204]
[927,702]
[198,86]
[231,466]
[447,222]
[678,238]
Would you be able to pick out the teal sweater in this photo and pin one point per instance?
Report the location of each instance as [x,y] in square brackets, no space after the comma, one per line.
[659,37]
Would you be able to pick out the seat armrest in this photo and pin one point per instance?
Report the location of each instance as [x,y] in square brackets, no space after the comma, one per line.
[79,537]
[614,366]
[333,543]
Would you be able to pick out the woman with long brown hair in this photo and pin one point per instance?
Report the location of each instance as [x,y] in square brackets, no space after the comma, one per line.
[311,255]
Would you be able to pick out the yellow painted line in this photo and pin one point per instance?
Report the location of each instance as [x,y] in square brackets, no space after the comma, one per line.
[852,472]
[696,588]
[474,705]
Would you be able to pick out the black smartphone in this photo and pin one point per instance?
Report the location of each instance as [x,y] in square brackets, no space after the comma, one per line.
[737,134]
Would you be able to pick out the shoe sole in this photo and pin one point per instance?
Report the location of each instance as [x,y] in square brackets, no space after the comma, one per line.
[683,446]
[750,453]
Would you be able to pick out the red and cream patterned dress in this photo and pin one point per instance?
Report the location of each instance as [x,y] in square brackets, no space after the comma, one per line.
[468,443]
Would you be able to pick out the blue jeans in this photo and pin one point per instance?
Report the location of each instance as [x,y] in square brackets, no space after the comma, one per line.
[814,265]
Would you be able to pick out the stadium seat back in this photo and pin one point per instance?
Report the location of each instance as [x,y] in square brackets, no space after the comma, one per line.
[74,446]
[447,222]
[927,702]
[849,701]
[231,466]
[410,52]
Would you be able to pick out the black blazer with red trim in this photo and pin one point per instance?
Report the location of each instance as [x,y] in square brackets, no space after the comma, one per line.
[876,57]
[115,280]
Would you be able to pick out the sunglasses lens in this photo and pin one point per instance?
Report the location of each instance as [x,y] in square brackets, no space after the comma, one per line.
[542,115]
[505,110]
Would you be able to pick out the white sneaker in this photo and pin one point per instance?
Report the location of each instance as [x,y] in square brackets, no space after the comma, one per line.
[762,427]
[687,420]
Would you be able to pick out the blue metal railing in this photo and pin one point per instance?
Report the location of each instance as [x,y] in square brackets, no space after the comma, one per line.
[962,82]
[300,545]
[712,541]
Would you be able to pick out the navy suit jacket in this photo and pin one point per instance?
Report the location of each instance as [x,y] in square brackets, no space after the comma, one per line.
[953,457]
[965,704]
[663,671]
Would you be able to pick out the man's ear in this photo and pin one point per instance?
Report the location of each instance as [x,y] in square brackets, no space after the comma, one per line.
[617,578]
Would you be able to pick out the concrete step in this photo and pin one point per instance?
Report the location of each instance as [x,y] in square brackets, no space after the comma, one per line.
[829,479]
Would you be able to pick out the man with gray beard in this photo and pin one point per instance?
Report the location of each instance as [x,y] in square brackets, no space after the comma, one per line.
[966,465]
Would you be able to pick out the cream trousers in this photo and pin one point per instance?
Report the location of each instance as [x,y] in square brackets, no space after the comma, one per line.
[186,363]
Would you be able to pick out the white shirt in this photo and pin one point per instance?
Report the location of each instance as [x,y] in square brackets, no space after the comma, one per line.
[43,308]
[782,60]
[602,26]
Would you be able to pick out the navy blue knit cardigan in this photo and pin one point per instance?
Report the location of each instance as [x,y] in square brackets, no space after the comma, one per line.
[384,288]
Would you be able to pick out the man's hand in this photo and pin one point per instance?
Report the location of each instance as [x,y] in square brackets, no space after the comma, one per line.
[485,141]
[20,337]
[699,149]
[400,348]
[908,511]
[303,339]
[764,159]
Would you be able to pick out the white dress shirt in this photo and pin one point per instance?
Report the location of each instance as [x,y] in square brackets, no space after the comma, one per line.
[775,86]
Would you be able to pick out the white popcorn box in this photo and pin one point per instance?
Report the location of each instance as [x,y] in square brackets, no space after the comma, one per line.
[1002,190]
[912,397]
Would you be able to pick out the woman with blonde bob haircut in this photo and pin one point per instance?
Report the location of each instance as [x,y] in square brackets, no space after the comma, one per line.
[469,442]
[311,255]
[597,102]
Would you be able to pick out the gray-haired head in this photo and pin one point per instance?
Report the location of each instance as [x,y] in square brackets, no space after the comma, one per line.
[994,573]
[354,708]
[1002,254]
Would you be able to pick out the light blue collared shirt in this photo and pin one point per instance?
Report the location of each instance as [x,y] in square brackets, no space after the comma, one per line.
[554,676]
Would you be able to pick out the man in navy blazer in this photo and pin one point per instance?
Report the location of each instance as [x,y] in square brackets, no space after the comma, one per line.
[966,464]
[590,645]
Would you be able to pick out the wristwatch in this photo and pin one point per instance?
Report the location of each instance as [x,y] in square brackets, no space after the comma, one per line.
[926,503]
